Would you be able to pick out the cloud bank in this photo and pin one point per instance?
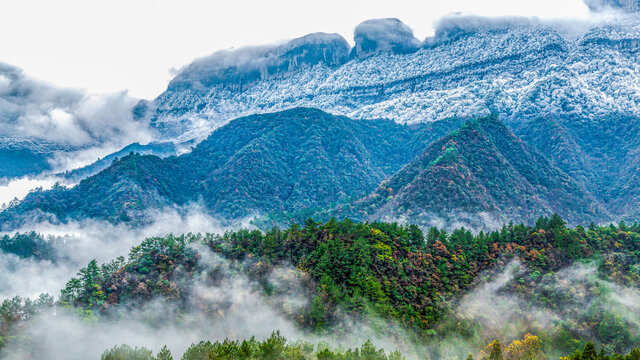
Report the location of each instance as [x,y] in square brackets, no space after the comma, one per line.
[78,242]
[36,110]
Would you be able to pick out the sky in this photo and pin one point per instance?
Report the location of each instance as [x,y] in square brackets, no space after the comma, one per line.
[105,46]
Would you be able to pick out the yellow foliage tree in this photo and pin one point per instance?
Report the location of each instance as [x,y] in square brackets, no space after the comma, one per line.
[528,348]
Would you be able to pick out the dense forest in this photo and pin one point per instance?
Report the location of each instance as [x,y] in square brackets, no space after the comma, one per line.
[477,175]
[281,168]
[277,347]
[257,164]
[383,274]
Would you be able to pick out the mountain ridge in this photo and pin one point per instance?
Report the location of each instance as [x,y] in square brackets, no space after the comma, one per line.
[481,173]
[256,164]
[516,67]
[305,162]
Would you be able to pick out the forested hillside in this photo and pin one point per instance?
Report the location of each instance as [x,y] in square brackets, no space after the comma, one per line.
[480,175]
[566,286]
[602,155]
[281,168]
[283,161]
[258,164]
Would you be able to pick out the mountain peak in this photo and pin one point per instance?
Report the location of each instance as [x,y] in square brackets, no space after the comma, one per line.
[383,36]
[238,68]
[451,27]
[480,171]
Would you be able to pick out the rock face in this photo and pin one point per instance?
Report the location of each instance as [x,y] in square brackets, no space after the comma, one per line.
[518,68]
[624,5]
[239,69]
[390,36]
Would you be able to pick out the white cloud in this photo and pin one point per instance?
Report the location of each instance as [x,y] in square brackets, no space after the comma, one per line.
[19,188]
[35,110]
[113,55]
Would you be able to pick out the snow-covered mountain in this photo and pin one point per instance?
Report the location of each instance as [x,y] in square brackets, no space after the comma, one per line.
[518,68]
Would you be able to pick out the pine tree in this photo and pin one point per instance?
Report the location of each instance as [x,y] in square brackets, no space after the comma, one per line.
[589,352]
[164,354]
[496,351]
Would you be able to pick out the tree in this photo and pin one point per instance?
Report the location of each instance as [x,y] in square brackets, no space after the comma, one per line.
[164,354]
[126,352]
[317,315]
[530,348]
[589,352]
[493,351]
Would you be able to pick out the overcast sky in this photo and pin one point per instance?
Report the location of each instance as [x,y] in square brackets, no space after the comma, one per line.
[113,45]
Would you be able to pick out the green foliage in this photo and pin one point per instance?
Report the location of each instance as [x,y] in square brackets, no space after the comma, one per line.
[164,354]
[386,271]
[28,245]
[16,310]
[276,347]
[291,160]
[125,352]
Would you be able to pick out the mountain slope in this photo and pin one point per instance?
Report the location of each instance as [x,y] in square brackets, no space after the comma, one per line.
[164,149]
[517,68]
[20,157]
[479,174]
[603,155]
[284,161]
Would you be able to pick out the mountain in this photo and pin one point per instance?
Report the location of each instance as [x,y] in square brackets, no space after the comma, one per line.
[570,95]
[305,162]
[20,157]
[518,68]
[602,155]
[286,161]
[479,175]
[160,149]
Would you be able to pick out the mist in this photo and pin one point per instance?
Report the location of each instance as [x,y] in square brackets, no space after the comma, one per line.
[33,109]
[79,242]
[233,309]
[19,188]
[223,303]
[577,293]
[61,128]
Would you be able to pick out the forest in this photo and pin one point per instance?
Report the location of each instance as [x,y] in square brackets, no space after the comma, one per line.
[430,293]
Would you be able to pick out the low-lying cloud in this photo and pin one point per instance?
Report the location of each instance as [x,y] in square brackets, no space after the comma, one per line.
[68,128]
[19,188]
[240,311]
[578,291]
[78,242]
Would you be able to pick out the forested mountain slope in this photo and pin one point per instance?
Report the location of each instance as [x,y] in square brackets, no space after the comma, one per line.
[304,162]
[450,293]
[603,155]
[480,174]
[273,162]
